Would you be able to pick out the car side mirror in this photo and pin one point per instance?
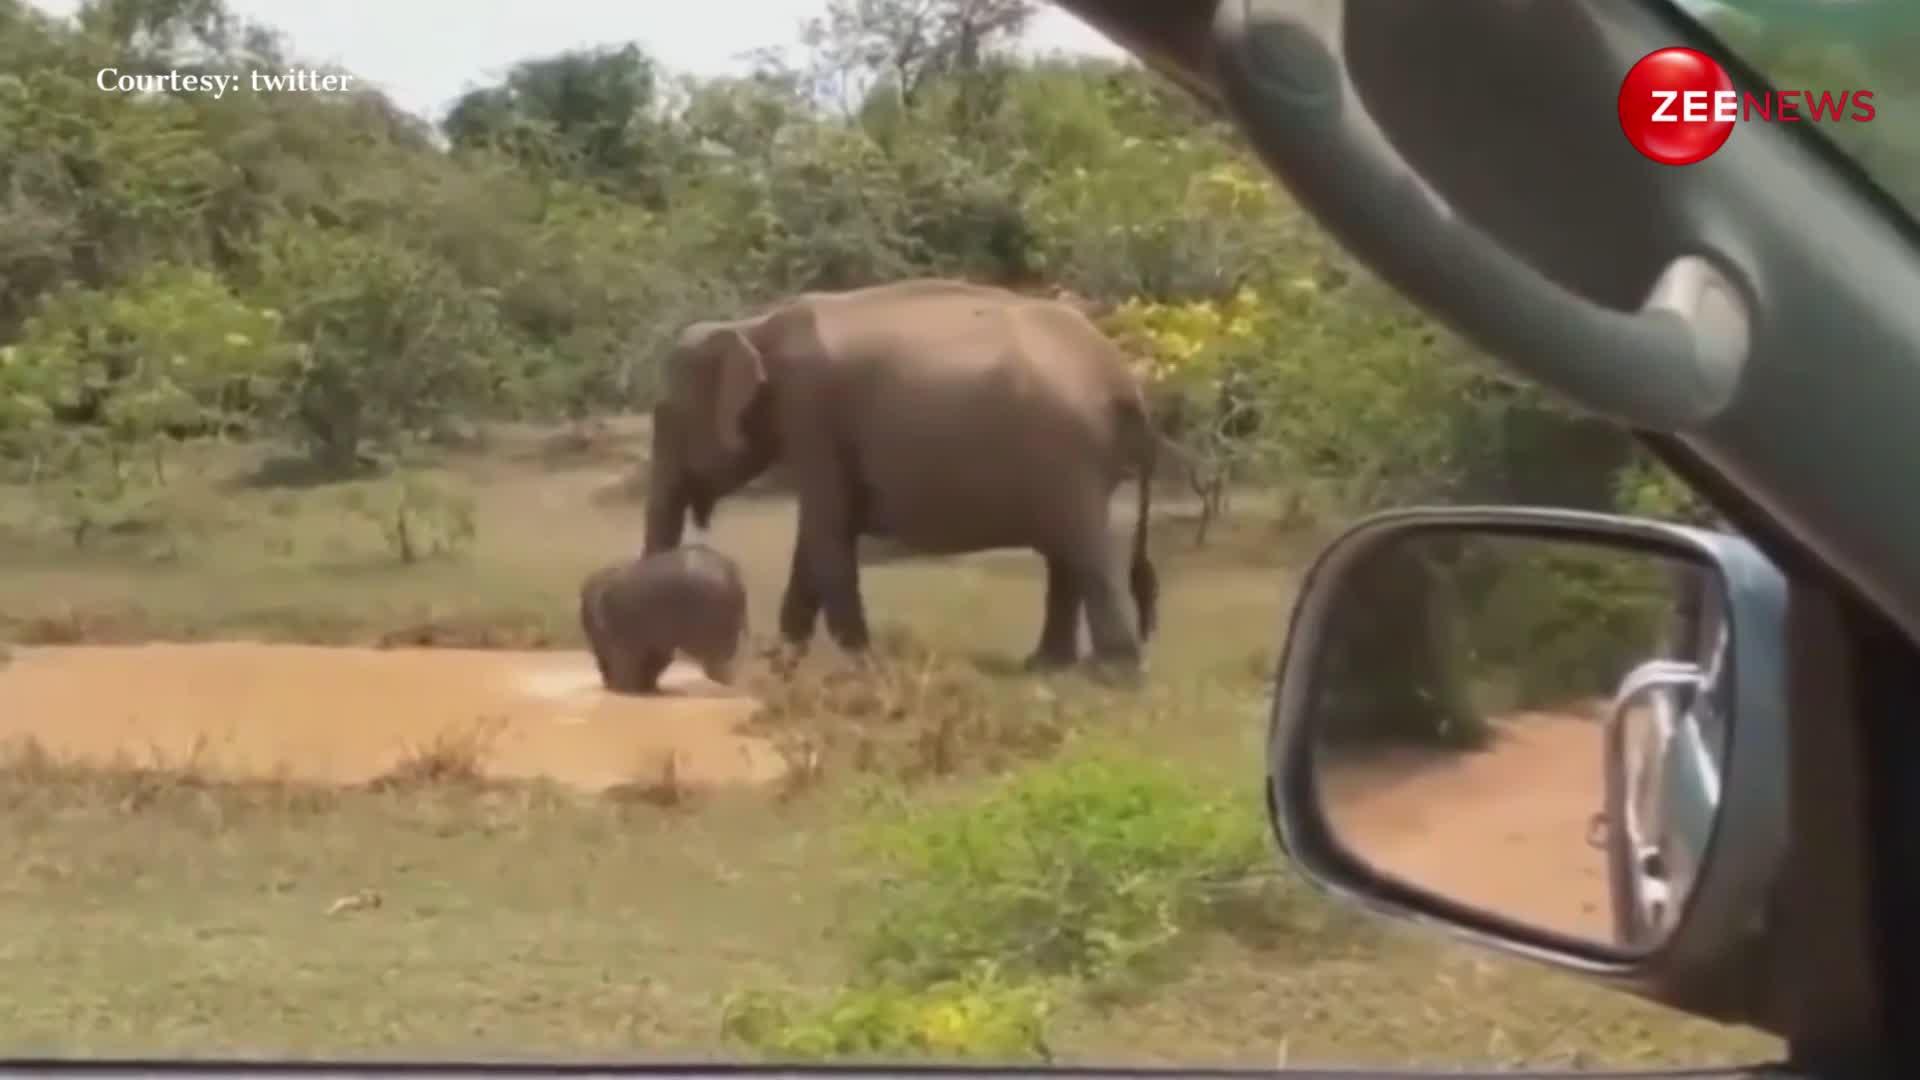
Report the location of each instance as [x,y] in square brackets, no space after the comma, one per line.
[1552,732]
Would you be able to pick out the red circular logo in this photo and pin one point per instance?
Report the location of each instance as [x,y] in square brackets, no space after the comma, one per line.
[1677,106]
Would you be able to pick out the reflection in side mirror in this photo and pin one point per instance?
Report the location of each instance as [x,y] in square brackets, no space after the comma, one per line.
[1528,724]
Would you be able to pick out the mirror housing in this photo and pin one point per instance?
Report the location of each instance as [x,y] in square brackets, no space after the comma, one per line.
[1709,963]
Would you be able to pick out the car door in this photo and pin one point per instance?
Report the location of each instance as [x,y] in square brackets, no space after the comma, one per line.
[1750,316]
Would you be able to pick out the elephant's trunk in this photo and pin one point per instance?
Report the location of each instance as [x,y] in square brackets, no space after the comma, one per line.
[667,508]
[674,491]
[666,518]
[667,487]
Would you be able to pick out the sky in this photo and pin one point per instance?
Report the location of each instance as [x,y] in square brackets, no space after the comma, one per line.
[425,53]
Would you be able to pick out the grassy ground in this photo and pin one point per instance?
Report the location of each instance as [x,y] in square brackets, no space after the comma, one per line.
[153,913]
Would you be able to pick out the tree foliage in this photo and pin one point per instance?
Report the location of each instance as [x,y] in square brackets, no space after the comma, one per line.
[330,272]
[587,113]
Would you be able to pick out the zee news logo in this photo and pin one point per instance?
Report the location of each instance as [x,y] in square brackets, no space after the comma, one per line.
[1678,106]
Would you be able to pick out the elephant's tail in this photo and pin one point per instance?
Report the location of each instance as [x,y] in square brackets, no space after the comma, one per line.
[1141,576]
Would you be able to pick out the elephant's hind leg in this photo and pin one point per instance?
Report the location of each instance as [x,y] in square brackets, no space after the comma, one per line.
[1059,645]
[800,606]
[1114,642]
[1085,551]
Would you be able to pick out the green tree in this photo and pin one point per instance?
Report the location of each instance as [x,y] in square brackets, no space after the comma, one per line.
[170,353]
[596,112]
[904,44]
[389,341]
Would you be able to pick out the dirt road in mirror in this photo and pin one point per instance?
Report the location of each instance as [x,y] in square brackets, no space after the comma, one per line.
[1504,829]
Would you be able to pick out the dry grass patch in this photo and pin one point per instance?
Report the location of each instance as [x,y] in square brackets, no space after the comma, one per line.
[455,756]
[509,630]
[35,781]
[907,711]
[659,785]
[76,625]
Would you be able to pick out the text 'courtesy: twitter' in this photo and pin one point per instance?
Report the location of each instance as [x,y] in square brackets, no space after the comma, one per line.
[220,84]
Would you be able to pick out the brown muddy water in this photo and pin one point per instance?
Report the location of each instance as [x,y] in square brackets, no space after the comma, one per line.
[349,715]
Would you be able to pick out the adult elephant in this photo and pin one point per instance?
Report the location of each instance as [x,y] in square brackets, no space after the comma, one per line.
[945,416]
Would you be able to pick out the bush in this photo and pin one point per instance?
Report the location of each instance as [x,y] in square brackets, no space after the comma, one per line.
[1177,218]
[418,518]
[1437,637]
[1646,489]
[170,353]
[26,417]
[1561,623]
[1200,361]
[905,711]
[1086,869]
[391,343]
[1396,661]
[978,1015]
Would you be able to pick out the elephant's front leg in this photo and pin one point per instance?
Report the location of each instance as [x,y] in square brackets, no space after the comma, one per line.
[648,666]
[828,553]
[1060,634]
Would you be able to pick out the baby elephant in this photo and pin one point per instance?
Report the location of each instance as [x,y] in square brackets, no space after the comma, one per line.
[637,613]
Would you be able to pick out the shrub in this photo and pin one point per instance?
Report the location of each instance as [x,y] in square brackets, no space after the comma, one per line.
[171,352]
[1643,487]
[391,343]
[905,710]
[1198,359]
[977,1015]
[1428,629]
[1085,869]
[1563,624]
[1396,661]
[419,518]
[26,417]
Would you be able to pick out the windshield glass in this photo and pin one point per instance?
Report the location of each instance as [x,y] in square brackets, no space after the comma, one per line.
[1833,47]
[343,345]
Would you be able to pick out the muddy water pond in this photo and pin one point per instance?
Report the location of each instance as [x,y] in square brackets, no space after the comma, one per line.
[349,715]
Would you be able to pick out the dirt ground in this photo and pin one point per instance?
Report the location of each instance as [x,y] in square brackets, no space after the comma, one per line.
[348,715]
[1504,829]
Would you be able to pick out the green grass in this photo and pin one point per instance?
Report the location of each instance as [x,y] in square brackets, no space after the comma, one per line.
[168,918]
[846,915]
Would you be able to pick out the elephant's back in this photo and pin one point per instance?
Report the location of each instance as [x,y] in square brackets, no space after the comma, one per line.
[690,577]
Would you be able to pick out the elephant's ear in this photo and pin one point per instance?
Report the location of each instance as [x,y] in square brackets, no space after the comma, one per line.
[738,373]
